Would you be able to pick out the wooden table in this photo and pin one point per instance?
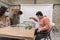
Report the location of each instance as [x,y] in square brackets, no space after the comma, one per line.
[17,32]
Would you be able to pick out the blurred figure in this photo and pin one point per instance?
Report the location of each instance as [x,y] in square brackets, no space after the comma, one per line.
[4,21]
[7,13]
[20,13]
[44,25]
[20,16]
[15,16]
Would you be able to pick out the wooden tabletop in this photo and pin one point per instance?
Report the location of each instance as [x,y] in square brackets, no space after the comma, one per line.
[17,32]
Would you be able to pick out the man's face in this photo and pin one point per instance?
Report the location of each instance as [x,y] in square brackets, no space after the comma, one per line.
[39,16]
[14,11]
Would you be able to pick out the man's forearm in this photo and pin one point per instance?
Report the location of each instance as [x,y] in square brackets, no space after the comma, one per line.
[44,28]
[35,20]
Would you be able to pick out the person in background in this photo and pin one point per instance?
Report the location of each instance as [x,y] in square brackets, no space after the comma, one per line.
[15,16]
[20,15]
[7,13]
[20,12]
[44,25]
[4,21]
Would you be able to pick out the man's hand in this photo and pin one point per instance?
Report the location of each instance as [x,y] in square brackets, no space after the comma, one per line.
[31,18]
[39,30]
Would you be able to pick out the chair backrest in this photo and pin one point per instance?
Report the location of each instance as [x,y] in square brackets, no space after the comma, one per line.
[51,29]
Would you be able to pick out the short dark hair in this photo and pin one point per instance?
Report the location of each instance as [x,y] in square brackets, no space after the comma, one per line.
[2,10]
[39,13]
[20,12]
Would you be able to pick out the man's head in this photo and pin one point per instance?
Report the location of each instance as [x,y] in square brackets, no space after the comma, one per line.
[14,10]
[20,12]
[39,14]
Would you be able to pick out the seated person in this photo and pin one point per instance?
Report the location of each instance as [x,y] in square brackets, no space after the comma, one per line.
[4,21]
[7,13]
[44,25]
[15,16]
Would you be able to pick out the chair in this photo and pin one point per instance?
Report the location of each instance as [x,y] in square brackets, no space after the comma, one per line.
[48,35]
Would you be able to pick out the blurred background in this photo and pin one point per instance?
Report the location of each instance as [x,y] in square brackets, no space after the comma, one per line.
[56,8]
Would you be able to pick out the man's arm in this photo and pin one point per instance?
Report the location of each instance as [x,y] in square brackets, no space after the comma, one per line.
[47,25]
[34,19]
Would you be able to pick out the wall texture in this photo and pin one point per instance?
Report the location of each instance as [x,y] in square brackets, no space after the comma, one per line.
[56,16]
[32,1]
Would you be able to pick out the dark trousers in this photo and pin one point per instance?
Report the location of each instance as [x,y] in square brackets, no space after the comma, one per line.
[4,38]
[40,35]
